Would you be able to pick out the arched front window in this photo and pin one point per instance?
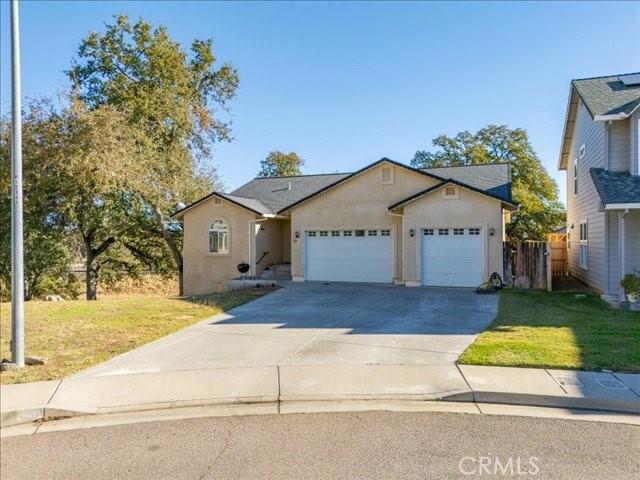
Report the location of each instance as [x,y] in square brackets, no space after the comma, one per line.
[218,237]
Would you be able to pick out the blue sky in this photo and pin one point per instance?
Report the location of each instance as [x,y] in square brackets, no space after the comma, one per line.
[344,84]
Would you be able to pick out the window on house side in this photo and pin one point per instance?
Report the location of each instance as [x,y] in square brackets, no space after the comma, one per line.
[218,237]
[575,177]
[584,245]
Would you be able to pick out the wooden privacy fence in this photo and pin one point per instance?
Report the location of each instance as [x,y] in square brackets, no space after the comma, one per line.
[558,248]
[527,265]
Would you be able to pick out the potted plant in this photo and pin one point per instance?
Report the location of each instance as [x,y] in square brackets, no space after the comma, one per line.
[631,286]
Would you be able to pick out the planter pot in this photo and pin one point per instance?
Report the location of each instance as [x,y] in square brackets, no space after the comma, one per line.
[633,297]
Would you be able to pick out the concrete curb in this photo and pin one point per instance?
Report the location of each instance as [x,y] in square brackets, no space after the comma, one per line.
[45,413]
[309,385]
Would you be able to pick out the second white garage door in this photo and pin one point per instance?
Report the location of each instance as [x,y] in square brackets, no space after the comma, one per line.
[452,257]
[349,256]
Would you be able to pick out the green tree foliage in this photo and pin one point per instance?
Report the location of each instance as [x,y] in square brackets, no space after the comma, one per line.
[280,164]
[47,253]
[533,189]
[77,206]
[175,100]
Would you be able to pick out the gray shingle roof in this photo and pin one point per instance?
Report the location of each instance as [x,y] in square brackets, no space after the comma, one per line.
[616,187]
[274,194]
[494,179]
[250,203]
[277,193]
[608,95]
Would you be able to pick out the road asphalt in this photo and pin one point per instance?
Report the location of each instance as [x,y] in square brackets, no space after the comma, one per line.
[331,445]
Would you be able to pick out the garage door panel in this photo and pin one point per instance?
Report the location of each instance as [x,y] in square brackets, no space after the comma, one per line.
[452,260]
[349,258]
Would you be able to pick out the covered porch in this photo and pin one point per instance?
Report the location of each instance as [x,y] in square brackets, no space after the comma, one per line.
[623,240]
[270,248]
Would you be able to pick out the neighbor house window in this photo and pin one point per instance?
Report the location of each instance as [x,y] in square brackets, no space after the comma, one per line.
[218,237]
[575,177]
[584,245]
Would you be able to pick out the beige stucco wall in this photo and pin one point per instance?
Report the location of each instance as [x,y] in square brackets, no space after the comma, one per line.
[359,203]
[205,272]
[470,210]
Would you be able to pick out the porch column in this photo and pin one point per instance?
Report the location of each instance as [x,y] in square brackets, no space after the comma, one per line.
[622,250]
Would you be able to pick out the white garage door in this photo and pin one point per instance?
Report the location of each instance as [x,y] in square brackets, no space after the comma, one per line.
[452,257]
[349,256]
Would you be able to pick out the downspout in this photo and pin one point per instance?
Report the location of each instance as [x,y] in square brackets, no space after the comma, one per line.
[252,265]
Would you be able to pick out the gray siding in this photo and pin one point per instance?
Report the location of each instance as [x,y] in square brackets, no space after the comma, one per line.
[619,146]
[633,140]
[586,205]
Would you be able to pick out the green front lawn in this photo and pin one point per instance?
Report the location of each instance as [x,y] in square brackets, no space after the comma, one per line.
[74,335]
[558,330]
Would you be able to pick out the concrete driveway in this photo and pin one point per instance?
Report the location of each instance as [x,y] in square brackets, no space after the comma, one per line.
[319,324]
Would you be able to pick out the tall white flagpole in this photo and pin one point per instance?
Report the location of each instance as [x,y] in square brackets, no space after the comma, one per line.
[17,250]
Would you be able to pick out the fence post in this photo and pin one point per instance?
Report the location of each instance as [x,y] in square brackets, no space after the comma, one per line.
[549,271]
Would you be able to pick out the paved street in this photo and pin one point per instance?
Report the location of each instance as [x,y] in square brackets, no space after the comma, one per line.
[343,445]
[323,324]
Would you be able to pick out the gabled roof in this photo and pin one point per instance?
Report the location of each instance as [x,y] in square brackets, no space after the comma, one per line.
[450,181]
[275,195]
[250,204]
[612,97]
[494,178]
[616,187]
[358,172]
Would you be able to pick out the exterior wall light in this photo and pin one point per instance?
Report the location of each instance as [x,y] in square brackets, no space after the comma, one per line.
[297,234]
[492,231]
[412,232]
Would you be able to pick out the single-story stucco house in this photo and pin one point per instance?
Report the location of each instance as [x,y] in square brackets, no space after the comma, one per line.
[385,223]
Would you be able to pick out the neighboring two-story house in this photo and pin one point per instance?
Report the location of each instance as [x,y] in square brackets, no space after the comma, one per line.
[600,153]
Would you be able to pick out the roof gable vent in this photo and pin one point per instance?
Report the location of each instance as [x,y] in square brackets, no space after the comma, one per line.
[630,80]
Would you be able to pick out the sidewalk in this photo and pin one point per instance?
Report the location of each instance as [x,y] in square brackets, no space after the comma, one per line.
[281,385]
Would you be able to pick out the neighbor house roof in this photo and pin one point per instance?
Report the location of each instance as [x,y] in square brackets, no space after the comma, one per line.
[613,97]
[616,188]
[609,96]
[273,195]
